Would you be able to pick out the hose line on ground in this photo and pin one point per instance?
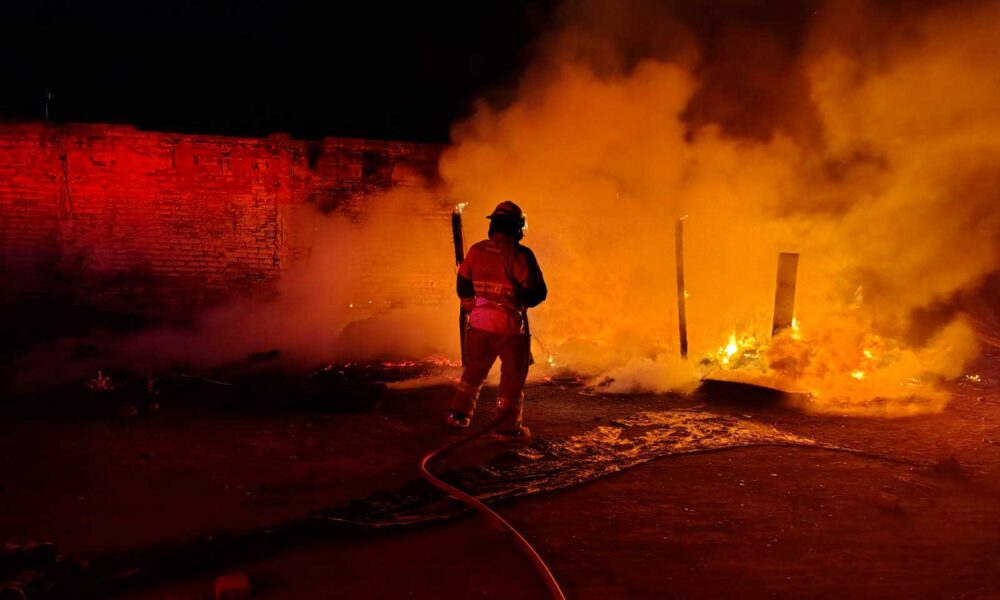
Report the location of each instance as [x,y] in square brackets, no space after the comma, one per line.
[536,560]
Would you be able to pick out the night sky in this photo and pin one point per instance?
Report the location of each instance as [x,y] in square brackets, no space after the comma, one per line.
[362,69]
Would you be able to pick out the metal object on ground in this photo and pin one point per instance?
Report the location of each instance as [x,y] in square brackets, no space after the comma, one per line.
[784,292]
[458,238]
[681,292]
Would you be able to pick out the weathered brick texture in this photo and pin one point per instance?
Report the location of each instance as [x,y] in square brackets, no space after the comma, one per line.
[158,224]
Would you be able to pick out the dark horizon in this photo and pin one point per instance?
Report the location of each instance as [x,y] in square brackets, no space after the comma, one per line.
[373,71]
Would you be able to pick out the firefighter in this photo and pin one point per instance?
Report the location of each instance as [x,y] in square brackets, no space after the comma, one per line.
[497,282]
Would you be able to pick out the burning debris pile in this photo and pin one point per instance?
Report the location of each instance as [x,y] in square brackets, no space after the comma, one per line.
[877,377]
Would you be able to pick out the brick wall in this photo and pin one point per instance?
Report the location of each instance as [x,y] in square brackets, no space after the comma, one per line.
[108,219]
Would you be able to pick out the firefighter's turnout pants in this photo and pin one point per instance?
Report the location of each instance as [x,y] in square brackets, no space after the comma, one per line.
[482,349]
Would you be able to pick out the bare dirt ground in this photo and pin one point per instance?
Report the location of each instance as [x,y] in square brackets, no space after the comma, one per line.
[753,522]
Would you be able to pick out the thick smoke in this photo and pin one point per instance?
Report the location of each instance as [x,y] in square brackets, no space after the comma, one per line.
[355,292]
[866,139]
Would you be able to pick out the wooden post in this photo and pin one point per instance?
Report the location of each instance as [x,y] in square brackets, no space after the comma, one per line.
[784,292]
[457,233]
[458,238]
[681,293]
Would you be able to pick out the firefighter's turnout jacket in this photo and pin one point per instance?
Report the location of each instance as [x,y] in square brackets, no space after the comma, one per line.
[498,280]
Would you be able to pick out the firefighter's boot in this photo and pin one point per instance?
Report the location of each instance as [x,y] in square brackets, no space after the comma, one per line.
[509,428]
[463,404]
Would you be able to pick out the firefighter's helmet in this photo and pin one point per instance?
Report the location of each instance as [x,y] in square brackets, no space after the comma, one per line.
[508,210]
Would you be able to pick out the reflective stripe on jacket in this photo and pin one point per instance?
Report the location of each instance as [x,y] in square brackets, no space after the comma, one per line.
[506,280]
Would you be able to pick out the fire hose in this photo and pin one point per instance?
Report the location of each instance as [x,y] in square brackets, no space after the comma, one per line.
[536,560]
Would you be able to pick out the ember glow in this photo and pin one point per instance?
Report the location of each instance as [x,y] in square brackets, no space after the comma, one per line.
[737,353]
[882,172]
